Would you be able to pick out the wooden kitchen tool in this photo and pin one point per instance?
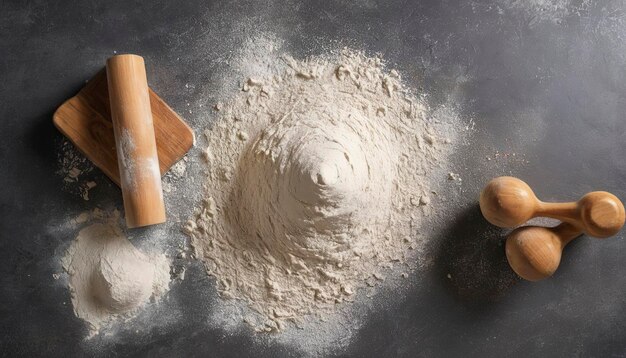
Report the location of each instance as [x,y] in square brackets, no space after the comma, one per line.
[85,120]
[140,177]
[534,252]
[509,202]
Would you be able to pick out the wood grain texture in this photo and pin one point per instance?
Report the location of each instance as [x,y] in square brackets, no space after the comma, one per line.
[85,120]
[133,128]
[509,202]
[534,252]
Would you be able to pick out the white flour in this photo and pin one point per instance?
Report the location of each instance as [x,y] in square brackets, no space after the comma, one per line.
[73,167]
[317,182]
[108,277]
[539,11]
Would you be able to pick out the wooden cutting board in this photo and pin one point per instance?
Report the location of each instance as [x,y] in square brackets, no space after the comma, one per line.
[85,120]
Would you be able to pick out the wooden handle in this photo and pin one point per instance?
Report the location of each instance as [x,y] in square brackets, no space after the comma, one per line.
[534,252]
[598,214]
[138,162]
[509,202]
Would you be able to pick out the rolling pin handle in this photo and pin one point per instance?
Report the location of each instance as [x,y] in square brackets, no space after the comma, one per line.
[131,114]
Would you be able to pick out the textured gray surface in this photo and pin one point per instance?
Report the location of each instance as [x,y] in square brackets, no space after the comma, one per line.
[543,79]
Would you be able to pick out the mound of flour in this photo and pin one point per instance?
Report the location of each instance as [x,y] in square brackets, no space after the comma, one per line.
[109,277]
[317,181]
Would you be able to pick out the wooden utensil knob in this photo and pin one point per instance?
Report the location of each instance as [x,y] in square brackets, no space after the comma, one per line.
[140,177]
[534,252]
[509,202]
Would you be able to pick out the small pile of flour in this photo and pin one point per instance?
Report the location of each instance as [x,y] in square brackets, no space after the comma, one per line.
[317,182]
[109,277]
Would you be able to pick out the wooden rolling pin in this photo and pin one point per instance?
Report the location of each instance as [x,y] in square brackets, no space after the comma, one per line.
[534,252]
[509,202]
[140,177]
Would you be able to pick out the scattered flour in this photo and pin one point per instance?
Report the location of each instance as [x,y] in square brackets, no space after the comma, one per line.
[178,171]
[318,180]
[108,277]
[73,166]
[538,11]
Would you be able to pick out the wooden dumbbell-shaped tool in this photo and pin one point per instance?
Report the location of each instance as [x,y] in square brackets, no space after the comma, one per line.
[131,114]
[509,202]
[534,252]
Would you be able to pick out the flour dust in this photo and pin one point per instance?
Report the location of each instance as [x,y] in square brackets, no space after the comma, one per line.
[319,182]
[109,279]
